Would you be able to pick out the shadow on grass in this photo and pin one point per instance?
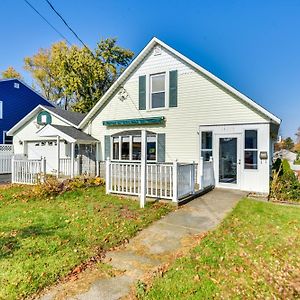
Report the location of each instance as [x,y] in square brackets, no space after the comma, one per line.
[13,242]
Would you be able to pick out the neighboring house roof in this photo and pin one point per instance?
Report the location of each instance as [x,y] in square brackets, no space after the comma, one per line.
[155,41]
[69,133]
[69,117]
[28,86]
[285,154]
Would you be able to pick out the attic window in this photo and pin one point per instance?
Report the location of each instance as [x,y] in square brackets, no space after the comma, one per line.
[157,50]
[16,85]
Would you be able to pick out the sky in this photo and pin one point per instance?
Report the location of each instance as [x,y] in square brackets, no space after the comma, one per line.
[252,45]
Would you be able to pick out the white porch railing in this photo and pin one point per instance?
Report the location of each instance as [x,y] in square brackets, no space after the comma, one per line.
[65,166]
[163,180]
[27,171]
[206,173]
[5,163]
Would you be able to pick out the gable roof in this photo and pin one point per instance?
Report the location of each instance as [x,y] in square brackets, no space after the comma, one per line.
[70,133]
[69,117]
[155,41]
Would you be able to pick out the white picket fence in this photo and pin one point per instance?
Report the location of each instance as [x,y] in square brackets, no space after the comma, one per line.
[6,149]
[5,163]
[172,181]
[26,171]
[65,166]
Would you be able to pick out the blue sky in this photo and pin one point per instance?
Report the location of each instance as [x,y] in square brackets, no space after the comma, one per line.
[252,45]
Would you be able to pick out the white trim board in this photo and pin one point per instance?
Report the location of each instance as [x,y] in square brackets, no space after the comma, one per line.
[140,58]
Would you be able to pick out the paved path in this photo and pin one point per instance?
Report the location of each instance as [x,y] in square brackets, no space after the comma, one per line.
[152,246]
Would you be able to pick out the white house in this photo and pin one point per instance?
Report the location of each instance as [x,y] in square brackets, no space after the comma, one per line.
[188,113]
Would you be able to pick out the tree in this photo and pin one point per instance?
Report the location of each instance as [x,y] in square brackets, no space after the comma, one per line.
[75,76]
[298,135]
[43,67]
[288,143]
[10,72]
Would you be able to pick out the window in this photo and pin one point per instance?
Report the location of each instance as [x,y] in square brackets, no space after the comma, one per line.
[1,110]
[151,147]
[16,85]
[250,151]
[115,148]
[125,148]
[7,139]
[44,119]
[157,90]
[130,147]
[136,148]
[206,145]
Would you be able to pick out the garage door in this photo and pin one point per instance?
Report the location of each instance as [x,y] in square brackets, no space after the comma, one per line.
[46,149]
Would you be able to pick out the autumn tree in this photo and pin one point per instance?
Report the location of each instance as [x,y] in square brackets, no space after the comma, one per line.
[288,144]
[11,72]
[77,76]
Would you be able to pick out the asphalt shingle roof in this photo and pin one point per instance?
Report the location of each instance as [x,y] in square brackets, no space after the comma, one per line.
[74,133]
[71,116]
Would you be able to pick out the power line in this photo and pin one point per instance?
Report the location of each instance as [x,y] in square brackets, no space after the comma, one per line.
[56,30]
[68,26]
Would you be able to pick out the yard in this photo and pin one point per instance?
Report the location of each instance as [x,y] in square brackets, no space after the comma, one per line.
[253,254]
[42,240]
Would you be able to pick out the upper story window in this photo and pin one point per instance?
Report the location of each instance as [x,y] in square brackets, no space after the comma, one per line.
[158,90]
[1,110]
[250,152]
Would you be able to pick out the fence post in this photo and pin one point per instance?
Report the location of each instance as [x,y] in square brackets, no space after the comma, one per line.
[107,175]
[12,169]
[43,169]
[201,173]
[175,181]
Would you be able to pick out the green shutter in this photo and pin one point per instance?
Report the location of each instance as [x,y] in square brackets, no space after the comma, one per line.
[161,147]
[173,89]
[142,92]
[106,147]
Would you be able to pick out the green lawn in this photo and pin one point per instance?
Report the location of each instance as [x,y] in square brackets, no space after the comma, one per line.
[41,240]
[253,254]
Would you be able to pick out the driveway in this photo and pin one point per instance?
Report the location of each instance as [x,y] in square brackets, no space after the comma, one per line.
[5,178]
[153,246]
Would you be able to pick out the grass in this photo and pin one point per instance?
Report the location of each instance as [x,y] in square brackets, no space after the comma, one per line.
[42,240]
[253,254]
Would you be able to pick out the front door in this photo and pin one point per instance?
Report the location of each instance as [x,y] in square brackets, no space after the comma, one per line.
[229,160]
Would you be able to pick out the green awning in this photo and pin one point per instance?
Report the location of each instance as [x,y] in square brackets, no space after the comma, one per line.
[140,121]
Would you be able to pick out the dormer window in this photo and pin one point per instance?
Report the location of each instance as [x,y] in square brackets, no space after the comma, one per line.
[158,91]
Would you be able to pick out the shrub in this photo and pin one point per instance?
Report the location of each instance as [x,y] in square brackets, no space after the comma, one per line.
[284,185]
[52,186]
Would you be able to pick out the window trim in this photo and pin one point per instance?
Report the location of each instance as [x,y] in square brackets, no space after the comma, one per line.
[130,148]
[250,149]
[165,91]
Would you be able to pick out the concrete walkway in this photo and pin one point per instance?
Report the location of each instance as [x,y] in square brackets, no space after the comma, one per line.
[155,244]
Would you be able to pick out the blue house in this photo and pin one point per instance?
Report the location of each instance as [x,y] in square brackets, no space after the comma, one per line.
[17,99]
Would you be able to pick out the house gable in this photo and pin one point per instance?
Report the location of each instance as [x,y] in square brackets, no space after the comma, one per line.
[170,58]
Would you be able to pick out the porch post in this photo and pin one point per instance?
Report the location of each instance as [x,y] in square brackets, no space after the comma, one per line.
[143,168]
[58,155]
[97,159]
[107,175]
[193,178]
[175,182]
[72,159]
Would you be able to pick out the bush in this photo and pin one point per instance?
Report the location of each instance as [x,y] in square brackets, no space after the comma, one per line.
[284,185]
[52,187]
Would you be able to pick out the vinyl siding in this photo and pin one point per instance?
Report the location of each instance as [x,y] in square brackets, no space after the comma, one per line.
[200,101]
